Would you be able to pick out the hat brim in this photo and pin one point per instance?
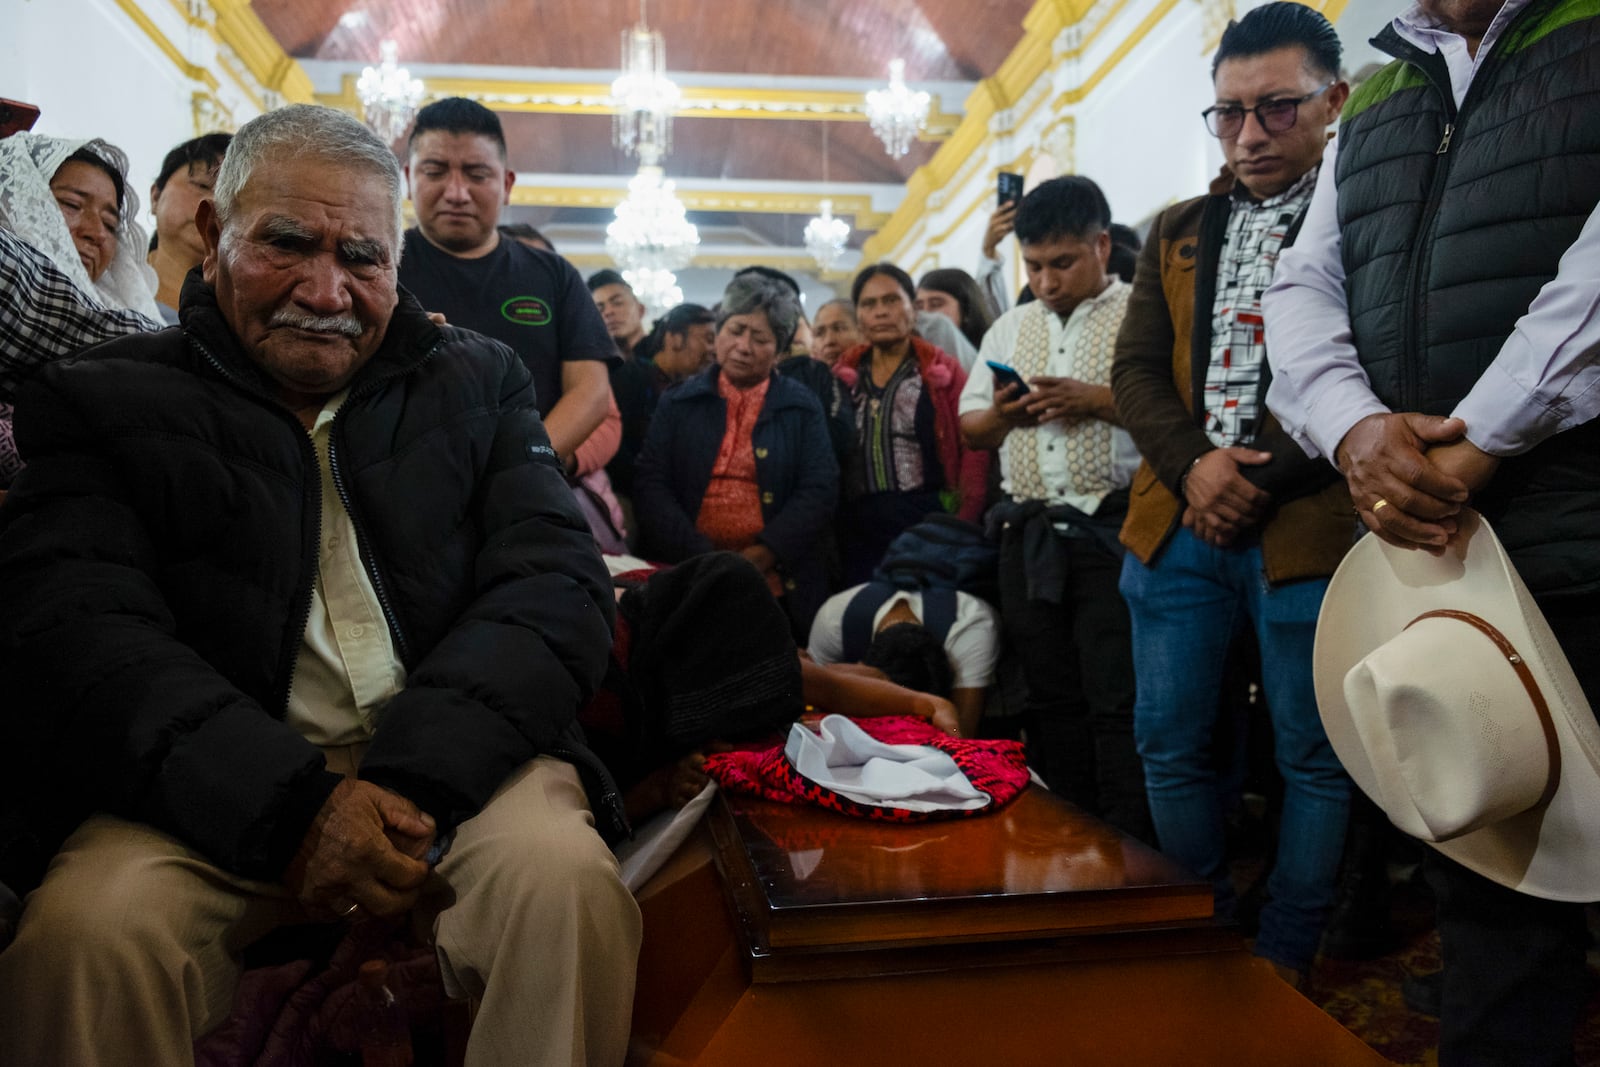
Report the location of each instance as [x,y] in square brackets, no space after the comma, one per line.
[1551,850]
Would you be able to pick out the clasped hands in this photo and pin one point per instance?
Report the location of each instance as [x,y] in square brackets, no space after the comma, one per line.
[365,849]
[1411,474]
[1220,503]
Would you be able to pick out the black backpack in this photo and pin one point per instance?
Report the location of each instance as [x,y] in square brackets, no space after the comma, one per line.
[943,552]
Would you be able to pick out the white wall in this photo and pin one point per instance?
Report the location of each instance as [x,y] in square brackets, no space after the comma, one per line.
[1358,23]
[1137,133]
[94,72]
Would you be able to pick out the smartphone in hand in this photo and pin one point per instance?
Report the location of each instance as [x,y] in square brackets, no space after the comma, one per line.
[1010,188]
[1005,375]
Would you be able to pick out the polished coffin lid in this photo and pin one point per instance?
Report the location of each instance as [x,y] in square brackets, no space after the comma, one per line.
[803,879]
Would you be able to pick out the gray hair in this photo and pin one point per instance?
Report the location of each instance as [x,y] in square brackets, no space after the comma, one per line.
[307,131]
[749,293]
[844,304]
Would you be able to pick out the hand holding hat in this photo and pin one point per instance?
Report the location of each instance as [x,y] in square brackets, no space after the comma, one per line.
[1448,700]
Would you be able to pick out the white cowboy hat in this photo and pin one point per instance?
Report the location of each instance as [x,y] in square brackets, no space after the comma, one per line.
[1446,697]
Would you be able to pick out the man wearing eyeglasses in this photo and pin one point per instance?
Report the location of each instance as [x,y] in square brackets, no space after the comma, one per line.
[1229,520]
[1435,332]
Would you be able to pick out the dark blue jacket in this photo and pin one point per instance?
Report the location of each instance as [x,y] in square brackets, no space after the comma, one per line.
[796,473]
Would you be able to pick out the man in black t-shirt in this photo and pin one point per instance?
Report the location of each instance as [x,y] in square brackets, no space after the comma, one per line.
[456,263]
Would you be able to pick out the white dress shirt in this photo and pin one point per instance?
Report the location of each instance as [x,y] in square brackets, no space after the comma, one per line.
[972,645]
[1545,378]
[347,669]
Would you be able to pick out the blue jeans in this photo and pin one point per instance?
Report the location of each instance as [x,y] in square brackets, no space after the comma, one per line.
[1184,609]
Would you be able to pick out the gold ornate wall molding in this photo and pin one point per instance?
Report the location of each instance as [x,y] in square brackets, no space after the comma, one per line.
[158,37]
[1214,18]
[1060,140]
[1045,46]
[238,45]
[210,115]
[235,25]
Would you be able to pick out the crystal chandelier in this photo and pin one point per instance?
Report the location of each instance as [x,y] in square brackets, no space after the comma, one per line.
[644,96]
[651,231]
[825,235]
[389,94]
[897,113]
[651,237]
[657,290]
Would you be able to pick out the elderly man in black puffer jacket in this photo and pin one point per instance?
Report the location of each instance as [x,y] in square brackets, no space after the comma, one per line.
[298,615]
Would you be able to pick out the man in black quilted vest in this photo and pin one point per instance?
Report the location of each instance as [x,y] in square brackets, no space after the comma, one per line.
[300,613]
[1434,332]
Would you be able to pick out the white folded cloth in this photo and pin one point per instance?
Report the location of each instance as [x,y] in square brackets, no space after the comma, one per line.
[843,758]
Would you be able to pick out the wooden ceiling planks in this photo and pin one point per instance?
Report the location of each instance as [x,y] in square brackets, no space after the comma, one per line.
[729,149]
[947,40]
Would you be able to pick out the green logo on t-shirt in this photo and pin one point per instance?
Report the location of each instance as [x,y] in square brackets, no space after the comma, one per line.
[526,311]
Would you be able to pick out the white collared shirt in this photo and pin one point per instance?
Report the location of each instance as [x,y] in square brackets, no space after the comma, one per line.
[972,645]
[347,669]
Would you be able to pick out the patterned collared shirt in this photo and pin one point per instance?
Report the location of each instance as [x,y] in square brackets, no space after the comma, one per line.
[43,316]
[1255,236]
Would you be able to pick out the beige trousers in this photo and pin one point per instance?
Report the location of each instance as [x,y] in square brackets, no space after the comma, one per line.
[129,950]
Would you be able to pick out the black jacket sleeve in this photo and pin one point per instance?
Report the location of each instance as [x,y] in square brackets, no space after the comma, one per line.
[108,706]
[1290,473]
[794,531]
[506,680]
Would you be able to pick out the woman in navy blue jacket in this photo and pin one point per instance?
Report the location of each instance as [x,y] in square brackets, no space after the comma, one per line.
[738,457]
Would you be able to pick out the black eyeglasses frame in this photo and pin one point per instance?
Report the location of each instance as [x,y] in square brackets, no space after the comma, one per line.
[1211,114]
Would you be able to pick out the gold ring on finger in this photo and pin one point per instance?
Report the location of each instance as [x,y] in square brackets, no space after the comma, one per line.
[1379,505]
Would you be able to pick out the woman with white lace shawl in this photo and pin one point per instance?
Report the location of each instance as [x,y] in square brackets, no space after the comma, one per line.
[71,259]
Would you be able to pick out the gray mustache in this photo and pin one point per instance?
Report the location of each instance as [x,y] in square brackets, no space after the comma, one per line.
[340,324]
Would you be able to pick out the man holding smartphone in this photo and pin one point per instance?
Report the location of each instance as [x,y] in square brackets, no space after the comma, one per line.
[1065,467]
